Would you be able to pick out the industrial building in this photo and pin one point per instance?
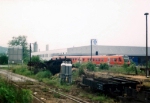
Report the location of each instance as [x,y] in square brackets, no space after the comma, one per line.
[136,54]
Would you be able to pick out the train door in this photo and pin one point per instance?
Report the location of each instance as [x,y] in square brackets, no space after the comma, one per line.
[108,62]
[119,61]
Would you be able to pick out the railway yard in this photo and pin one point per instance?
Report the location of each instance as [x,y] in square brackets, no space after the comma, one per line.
[46,93]
[74,51]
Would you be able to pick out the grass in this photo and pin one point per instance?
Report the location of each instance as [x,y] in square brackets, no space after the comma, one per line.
[122,70]
[56,95]
[11,94]
[96,97]
[42,76]
[54,81]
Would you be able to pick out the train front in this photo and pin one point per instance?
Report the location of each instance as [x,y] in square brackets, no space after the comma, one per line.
[126,60]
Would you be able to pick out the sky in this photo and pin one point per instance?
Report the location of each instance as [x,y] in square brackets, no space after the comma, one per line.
[73,23]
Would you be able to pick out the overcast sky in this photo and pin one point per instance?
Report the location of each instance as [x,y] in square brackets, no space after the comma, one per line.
[68,23]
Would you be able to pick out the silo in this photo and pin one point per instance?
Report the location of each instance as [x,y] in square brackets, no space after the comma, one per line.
[62,72]
[35,47]
[69,72]
[47,47]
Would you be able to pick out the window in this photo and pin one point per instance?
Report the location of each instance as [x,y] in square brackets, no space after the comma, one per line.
[120,59]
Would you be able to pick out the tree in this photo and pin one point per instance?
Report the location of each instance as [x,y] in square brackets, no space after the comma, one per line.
[35,59]
[21,40]
[3,59]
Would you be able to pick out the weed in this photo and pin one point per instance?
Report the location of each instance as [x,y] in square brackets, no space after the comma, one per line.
[91,66]
[56,95]
[104,66]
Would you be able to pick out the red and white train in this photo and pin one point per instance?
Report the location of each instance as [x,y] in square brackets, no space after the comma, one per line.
[109,59]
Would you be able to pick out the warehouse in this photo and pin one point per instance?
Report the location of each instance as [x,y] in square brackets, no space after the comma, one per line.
[136,54]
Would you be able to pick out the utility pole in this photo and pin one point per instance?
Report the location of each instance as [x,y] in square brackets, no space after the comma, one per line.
[30,56]
[147,71]
[91,50]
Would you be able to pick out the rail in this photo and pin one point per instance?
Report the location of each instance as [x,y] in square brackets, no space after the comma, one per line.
[73,98]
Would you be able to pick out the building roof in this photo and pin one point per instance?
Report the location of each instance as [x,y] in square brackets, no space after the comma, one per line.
[104,50]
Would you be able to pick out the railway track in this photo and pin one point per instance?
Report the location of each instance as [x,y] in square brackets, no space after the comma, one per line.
[73,98]
[39,87]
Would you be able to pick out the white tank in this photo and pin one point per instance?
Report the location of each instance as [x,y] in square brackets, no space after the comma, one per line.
[69,68]
[62,71]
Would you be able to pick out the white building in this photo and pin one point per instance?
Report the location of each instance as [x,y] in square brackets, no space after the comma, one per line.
[137,54]
[47,55]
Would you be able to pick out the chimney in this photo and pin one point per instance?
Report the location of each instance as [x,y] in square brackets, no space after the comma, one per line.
[47,47]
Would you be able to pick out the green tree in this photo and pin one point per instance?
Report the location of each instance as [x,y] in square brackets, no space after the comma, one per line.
[35,59]
[3,59]
[21,40]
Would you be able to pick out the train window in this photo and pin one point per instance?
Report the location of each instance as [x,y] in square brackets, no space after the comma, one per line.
[93,59]
[83,59]
[120,59]
[115,59]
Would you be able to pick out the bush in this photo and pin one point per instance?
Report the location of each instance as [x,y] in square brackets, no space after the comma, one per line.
[104,66]
[125,65]
[91,66]
[35,59]
[81,71]
[26,96]
[10,94]
[77,65]
[3,59]
[130,69]
[44,74]
[22,70]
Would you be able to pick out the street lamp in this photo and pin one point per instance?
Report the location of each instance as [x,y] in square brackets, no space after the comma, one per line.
[147,71]
[94,41]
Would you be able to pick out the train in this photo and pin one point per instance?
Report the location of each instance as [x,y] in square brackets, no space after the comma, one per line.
[124,89]
[109,59]
[54,66]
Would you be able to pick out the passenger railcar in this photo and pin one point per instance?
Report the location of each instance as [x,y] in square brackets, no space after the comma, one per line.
[109,59]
